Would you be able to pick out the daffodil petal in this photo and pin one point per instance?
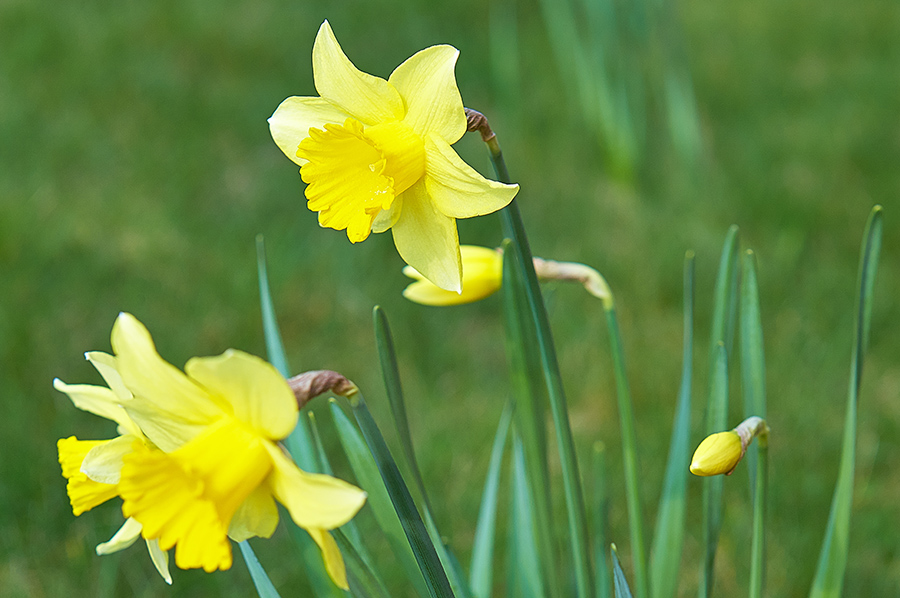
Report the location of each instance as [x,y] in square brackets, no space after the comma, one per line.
[160,390]
[367,98]
[166,430]
[427,83]
[125,537]
[99,401]
[294,117]
[456,188]
[427,240]
[103,463]
[313,500]
[257,516]
[331,554]
[160,559]
[258,394]
[106,365]
[388,218]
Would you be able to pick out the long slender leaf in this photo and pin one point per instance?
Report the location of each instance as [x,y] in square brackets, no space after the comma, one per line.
[600,520]
[668,538]
[716,420]
[531,410]
[527,568]
[753,389]
[619,581]
[384,343]
[829,578]
[261,581]
[416,533]
[367,475]
[576,515]
[753,369]
[365,570]
[725,298]
[481,571]
[360,568]
[629,453]
[299,442]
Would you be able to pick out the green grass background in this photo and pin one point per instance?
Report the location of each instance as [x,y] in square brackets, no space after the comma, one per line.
[136,168]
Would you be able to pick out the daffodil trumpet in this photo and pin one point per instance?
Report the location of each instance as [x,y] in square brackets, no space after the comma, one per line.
[198,461]
[483,276]
[720,453]
[376,155]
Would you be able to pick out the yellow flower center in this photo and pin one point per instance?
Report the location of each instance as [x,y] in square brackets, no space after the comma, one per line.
[187,498]
[354,172]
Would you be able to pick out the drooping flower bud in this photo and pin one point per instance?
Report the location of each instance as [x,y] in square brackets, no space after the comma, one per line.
[718,453]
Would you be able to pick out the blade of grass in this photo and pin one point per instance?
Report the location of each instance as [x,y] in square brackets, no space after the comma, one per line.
[367,475]
[600,519]
[299,442]
[668,537]
[481,571]
[716,420]
[576,517]
[829,577]
[629,452]
[531,410]
[419,539]
[619,581]
[384,344]
[261,581]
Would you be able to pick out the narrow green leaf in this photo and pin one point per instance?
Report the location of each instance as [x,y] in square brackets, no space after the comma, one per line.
[629,453]
[668,538]
[716,421]
[753,390]
[600,520]
[367,475]
[299,442]
[261,581]
[349,529]
[829,579]
[576,515]
[384,343]
[360,568]
[416,533]
[725,298]
[619,581]
[528,390]
[527,567]
[481,571]
[753,369]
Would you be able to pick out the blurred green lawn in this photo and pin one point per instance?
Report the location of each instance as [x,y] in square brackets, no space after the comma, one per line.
[137,168]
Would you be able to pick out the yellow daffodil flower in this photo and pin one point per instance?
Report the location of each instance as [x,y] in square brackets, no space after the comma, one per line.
[482,274]
[717,454]
[93,467]
[210,467]
[377,155]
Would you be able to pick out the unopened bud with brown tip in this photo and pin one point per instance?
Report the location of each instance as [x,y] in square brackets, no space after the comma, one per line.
[309,385]
[721,452]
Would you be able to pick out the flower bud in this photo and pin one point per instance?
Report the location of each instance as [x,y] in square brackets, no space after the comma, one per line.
[717,454]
